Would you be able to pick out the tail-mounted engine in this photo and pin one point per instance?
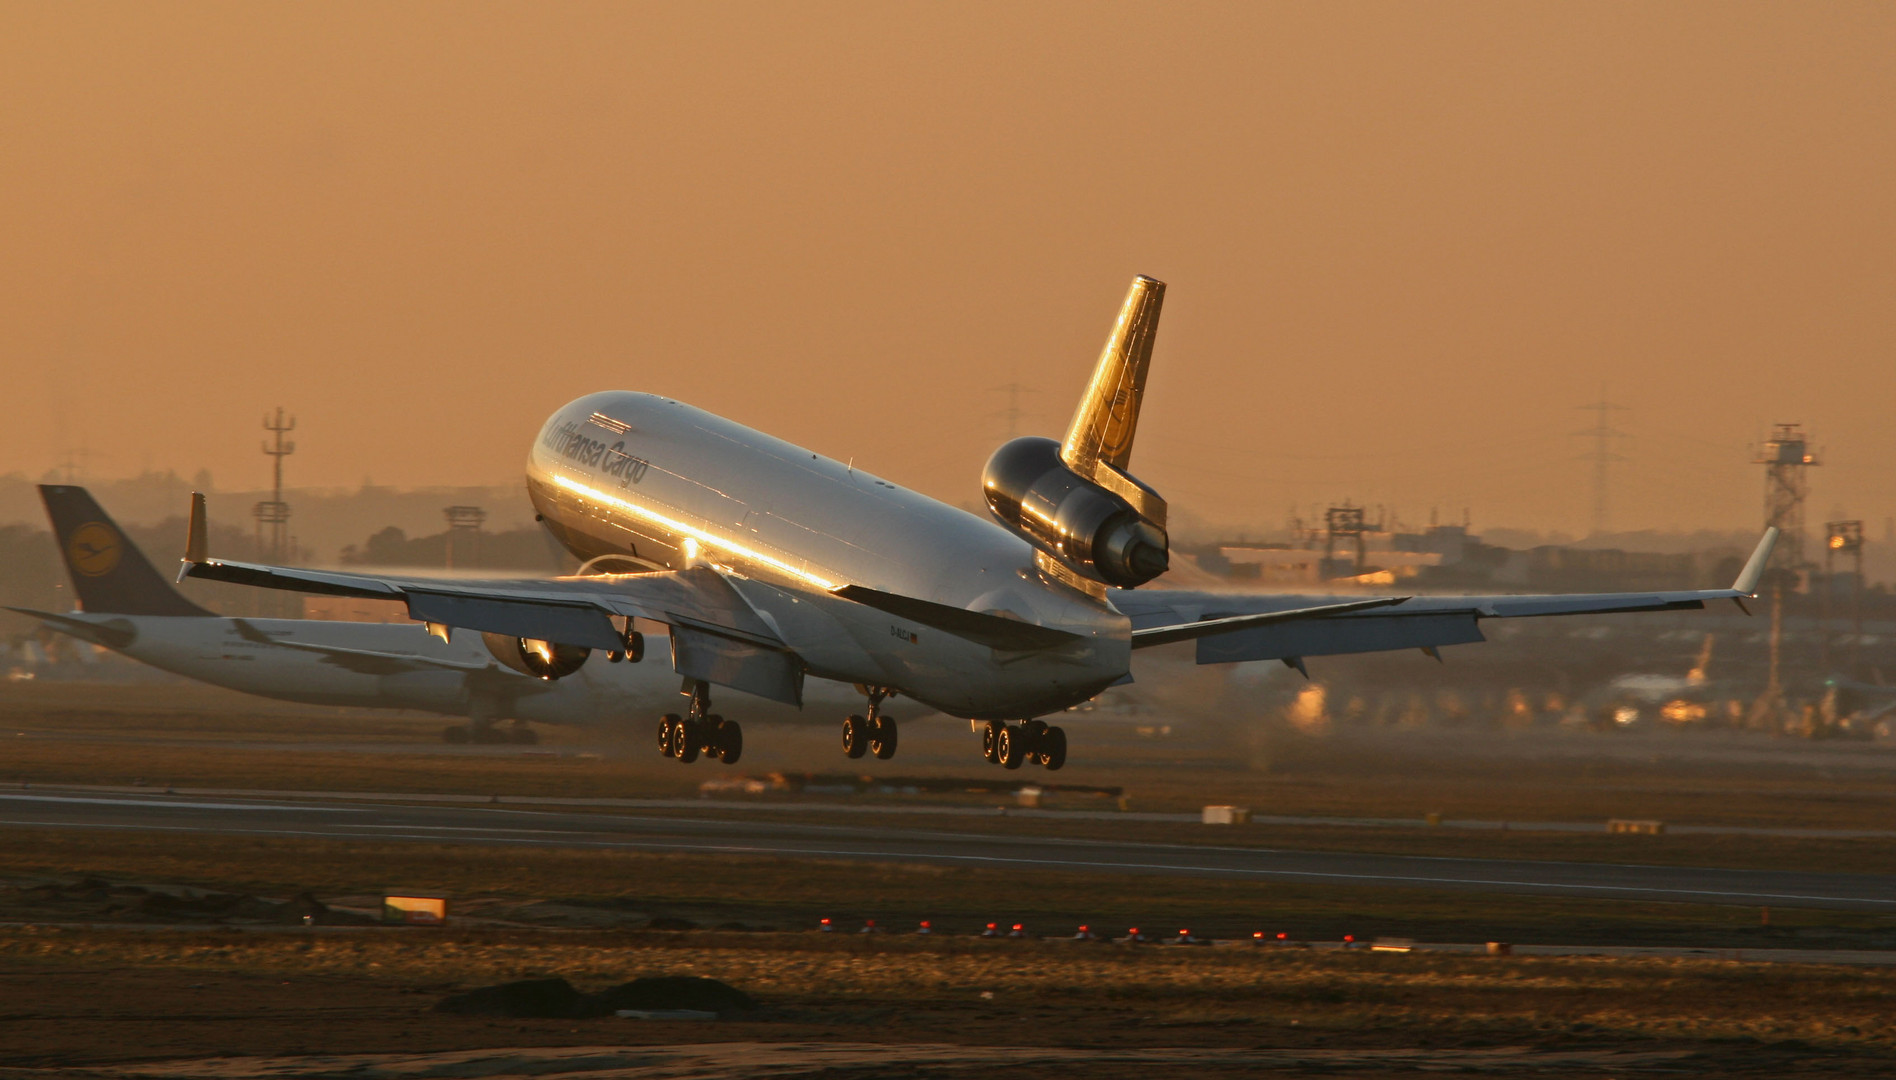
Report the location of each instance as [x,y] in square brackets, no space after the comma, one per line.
[540,659]
[1074,500]
[1088,528]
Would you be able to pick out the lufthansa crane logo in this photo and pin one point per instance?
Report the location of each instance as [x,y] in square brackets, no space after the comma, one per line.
[94,548]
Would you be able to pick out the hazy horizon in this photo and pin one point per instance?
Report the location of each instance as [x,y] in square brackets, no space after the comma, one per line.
[1404,244]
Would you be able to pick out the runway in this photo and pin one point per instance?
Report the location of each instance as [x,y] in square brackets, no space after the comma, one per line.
[744,834]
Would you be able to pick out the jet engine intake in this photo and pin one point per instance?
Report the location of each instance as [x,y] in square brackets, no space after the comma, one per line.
[1030,490]
[541,659]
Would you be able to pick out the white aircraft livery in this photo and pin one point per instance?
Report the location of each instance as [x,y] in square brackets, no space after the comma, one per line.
[129,608]
[771,565]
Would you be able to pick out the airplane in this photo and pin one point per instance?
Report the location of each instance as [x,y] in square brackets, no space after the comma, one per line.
[128,607]
[771,565]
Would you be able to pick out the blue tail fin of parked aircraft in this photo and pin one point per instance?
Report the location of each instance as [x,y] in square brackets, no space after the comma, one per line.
[109,574]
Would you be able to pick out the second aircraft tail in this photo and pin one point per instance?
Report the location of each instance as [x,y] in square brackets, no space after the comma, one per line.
[109,574]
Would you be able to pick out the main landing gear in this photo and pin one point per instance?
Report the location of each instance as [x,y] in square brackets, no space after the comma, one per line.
[1013,745]
[872,734]
[634,650]
[700,731]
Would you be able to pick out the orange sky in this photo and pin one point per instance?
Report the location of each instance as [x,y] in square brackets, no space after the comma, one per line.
[1403,241]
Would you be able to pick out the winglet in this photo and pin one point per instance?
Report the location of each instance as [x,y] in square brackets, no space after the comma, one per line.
[1748,578]
[197,542]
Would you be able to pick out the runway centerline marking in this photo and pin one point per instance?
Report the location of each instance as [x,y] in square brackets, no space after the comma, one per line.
[178,804]
[1010,861]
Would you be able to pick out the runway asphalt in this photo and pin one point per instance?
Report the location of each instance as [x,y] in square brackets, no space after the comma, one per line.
[749,834]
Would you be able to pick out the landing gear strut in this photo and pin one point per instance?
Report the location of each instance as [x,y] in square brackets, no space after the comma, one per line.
[1013,745]
[872,734]
[700,731]
[634,646]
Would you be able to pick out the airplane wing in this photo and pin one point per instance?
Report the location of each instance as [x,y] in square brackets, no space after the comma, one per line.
[571,611]
[1236,627]
[718,635]
[364,661]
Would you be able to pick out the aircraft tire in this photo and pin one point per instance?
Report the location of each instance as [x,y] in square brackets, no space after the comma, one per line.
[855,736]
[991,735]
[1010,748]
[687,739]
[522,735]
[882,741]
[634,646]
[668,734]
[1053,749]
[454,733]
[730,740]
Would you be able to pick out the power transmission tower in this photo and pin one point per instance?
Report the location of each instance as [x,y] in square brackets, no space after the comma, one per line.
[275,513]
[1602,433]
[1012,412]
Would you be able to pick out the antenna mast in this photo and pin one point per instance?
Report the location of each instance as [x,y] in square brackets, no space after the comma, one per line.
[1602,433]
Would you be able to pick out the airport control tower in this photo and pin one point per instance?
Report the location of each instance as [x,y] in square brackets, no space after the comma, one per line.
[1786,456]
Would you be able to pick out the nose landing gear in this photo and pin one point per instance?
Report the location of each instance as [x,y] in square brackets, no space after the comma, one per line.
[1013,745]
[872,734]
[701,731]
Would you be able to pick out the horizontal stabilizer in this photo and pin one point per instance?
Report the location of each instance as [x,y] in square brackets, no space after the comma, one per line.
[111,633]
[1008,635]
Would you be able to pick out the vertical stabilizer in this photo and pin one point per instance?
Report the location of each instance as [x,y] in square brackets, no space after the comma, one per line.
[109,574]
[1108,415]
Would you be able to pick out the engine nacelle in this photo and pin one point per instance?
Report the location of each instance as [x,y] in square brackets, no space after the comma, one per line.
[1090,529]
[540,659]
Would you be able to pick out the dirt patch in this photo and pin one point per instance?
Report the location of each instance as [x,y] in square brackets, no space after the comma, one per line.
[94,899]
[556,998]
[793,1060]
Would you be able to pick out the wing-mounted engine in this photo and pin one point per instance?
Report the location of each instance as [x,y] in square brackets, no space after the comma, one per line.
[541,659]
[1074,500]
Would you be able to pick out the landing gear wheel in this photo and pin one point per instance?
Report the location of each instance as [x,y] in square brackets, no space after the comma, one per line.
[522,735]
[455,733]
[687,739]
[990,738]
[882,738]
[1010,748]
[730,739]
[1053,749]
[668,734]
[855,736]
[634,646]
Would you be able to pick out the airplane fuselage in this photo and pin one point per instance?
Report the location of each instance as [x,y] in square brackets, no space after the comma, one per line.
[668,486]
[234,654]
